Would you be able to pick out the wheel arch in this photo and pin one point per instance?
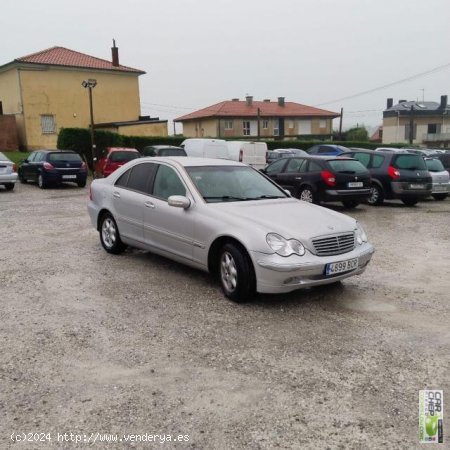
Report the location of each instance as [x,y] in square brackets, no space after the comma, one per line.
[101,213]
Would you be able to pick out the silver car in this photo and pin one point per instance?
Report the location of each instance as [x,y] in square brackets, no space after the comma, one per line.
[229,219]
[440,178]
[8,173]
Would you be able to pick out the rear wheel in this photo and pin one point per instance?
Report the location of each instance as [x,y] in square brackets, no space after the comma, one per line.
[350,204]
[41,182]
[307,195]
[236,273]
[22,179]
[410,201]
[109,235]
[9,186]
[440,196]
[376,197]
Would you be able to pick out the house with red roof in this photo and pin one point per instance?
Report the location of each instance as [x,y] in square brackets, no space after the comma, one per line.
[44,92]
[258,119]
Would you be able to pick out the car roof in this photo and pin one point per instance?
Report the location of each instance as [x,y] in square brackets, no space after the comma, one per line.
[159,146]
[321,157]
[56,150]
[121,149]
[192,161]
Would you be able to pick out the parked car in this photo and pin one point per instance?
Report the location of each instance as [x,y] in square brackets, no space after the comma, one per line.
[327,149]
[8,172]
[163,150]
[445,159]
[395,175]
[316,179]
[113,158]
[51,167]
[440,178]
[229,219]
[273,155]
[252,153]
[206,148]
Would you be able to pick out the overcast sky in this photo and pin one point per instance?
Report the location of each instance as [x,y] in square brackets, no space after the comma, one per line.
[200,52]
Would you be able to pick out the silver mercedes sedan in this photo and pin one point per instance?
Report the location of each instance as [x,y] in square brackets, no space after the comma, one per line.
[229,219]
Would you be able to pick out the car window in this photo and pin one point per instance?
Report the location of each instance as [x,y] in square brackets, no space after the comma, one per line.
[140,176]
[39,157]
[32,157]
[409,162]
[167,183]
[347,166]
[313,149]
[123,156]
[314,167]
[63,156]
[123,179]
[294,165]
[323,149]
[434,165]
[148,151]
[275,167]
[172,152]
[377,161]
[363,158]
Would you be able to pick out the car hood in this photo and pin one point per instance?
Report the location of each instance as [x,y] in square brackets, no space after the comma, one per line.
[290,217]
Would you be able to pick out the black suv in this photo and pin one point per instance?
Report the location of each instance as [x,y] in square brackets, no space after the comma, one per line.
[53,167]
[322,178]
[395,175]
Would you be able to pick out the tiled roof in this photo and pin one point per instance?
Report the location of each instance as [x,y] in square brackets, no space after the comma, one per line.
[60,56]
[266,109]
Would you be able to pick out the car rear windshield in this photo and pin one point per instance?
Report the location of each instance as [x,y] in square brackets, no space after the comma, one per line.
[409,162]
[347,166]
[232,183]
[434,165]
[172,152]
[123,156]
[64,157]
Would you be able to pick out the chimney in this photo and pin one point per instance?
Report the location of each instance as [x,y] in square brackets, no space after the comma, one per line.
[280,101]
[443,102]
[267,100]
[249,100]
[390,102]
[115,54]
[234,99]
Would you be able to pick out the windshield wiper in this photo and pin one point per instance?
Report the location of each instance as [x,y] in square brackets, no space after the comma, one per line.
[224,198]
[265,197]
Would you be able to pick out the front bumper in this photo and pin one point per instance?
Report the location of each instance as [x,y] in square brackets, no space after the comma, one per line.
[440,188]
[277,274]
[402,189]
[347,194]
[8,178]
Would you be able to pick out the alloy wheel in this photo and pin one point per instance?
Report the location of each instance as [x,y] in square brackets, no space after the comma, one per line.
[228,272]
[306,195]
[109,232]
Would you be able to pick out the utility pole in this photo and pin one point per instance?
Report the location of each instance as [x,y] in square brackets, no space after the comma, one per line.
[340,124]
[411,125]
[90,84]
[258,116]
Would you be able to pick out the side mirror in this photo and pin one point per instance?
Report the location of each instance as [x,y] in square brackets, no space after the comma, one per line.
[179,201]
[288,192]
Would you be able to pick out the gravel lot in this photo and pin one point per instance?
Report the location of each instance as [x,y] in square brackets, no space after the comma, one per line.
[135,344]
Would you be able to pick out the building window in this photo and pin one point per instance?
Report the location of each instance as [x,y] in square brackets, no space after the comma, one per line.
[322,123]
[246,127]
[276,127]
[290,124]
[265,124]
[48,124]
[228,124]
[434,128]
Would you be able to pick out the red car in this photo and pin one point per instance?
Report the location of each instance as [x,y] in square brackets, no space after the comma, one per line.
[113,158]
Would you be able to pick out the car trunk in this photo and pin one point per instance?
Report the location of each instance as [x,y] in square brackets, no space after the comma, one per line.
[412,170]
[349,174]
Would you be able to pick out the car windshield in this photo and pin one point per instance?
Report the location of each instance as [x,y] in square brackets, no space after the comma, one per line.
[409,162]
[347,166]
[123,156]
[64,157]
[434,165]
[232,183]
[172,152]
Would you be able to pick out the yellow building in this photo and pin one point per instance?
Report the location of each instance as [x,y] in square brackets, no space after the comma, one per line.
[44,91]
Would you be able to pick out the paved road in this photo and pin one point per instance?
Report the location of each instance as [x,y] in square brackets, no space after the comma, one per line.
[137,344]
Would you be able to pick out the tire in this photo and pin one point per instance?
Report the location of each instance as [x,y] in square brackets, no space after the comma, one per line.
[9,186]
[410,201]
[81,184]
[376,195]
[236,273]
[440,197]
[22,179]
[306,194]
[109,235]
[350,204]
[41,182]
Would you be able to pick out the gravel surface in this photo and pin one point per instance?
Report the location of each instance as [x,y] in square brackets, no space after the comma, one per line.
[136,344]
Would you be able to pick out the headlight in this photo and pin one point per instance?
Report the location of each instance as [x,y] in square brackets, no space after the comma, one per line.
[284,247]
[360,234]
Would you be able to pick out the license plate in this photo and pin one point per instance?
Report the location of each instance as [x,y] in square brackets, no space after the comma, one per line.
[440,188]
[341,266]
[355,184]
[416,186]
[69,177]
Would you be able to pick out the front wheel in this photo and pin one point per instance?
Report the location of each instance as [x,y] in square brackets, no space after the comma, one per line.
[350,204]
[9,186]
[376,197]
[440,196]
[410,201]
[109,235]
[236,273]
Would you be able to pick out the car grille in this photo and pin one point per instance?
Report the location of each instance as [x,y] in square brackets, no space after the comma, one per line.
[334,245]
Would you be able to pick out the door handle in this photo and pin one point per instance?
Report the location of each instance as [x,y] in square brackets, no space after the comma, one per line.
[116,195]
[149,205]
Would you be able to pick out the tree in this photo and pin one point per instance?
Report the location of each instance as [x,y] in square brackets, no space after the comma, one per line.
[357,134]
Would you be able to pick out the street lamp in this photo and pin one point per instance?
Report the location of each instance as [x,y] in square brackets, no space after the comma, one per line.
[90,84]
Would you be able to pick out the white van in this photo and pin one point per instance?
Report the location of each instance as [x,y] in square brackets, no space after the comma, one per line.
[252,153]
[206,148]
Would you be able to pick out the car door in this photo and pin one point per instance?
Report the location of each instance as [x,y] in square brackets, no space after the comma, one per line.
[25,167]
[36,165]
[274,169]
[292,175]
[129,197]
[168,228]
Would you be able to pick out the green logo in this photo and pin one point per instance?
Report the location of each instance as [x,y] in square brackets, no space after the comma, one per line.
[431,425]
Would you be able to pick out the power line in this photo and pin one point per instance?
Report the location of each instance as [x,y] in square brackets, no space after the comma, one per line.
[379,88]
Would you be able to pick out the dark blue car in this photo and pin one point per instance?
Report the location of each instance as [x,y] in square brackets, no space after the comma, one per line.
[327,149]
[50,167]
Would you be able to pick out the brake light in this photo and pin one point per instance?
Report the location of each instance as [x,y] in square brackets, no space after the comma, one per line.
[328,177]
[14,168]
[48,166]
[393,172]
[241,154]
[83,166]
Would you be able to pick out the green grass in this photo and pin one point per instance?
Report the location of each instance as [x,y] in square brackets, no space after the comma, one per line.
[16,157]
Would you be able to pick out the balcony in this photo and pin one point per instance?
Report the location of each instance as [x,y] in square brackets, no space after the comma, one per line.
[436,137]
